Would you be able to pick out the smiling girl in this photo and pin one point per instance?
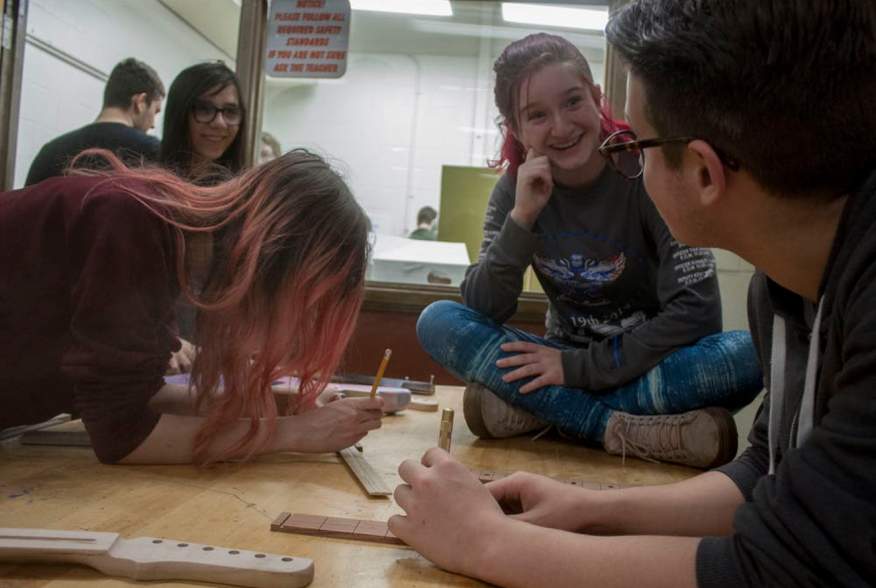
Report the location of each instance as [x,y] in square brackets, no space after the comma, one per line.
[634,357]
[204,124]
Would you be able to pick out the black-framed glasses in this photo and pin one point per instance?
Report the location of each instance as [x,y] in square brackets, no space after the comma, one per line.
[626,153]
[205,113]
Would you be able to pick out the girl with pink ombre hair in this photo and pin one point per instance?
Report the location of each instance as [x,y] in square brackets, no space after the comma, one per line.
[92,264]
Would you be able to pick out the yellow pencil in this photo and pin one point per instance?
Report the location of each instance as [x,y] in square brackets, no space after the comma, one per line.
[386,355]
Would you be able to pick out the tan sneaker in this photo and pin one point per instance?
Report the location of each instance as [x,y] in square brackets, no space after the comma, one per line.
[704,438]
[490,417]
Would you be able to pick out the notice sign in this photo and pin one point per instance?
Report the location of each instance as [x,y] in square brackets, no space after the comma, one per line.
[308,38]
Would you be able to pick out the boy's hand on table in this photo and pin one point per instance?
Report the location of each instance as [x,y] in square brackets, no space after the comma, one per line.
[449,514]
[545,502]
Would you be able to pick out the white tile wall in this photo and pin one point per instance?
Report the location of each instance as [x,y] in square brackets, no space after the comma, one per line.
[734,274]
[390,123]
[57,97]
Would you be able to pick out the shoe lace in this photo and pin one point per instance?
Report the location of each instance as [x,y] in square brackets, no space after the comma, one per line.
[647,443]
[542,433]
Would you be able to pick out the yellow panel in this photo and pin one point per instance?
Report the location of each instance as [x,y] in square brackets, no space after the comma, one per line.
[465,192]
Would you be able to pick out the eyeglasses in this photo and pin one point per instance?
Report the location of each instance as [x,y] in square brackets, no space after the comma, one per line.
[626,153]
[205,113]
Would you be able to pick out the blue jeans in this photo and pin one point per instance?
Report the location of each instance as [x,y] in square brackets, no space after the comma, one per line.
[718,370]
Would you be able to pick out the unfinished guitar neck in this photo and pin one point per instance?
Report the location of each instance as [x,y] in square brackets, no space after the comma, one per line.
[151,558]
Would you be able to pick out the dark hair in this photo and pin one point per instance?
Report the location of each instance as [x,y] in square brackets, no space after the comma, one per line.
[785,87]
[192,83]
[517,62]
[129,78]
[426,215]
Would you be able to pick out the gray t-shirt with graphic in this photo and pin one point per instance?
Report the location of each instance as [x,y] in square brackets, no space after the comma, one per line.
[623,293]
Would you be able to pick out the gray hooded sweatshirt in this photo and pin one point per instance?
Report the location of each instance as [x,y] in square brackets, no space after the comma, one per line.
[809,477]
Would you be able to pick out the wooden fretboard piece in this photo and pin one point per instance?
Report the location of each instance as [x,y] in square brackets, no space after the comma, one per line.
[339,528]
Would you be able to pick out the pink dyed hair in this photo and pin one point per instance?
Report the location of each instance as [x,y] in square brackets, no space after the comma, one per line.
[285,285]
[517,62]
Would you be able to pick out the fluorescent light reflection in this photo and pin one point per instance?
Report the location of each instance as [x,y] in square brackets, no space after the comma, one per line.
[592,19]
[423,7]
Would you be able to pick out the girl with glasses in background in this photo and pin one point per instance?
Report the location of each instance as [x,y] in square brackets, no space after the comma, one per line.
[204,124]
[202,141]
[634,358]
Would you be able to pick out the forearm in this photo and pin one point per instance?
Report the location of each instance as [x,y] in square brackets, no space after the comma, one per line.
[180,400]
[528,555]
[173,438]
[175,399]
[698,507]
[492,291]
[493,285]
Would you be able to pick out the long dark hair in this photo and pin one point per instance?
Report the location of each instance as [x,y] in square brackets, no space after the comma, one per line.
[192,83]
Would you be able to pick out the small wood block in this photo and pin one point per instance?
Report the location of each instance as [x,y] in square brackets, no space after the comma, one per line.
[371,481]
[278,522]
[395,399]
[485,477]
[423,404]
[338,528]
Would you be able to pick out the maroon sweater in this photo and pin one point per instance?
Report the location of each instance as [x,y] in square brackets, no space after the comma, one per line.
[87,288]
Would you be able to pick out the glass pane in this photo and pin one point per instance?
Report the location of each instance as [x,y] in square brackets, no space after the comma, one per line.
[412,124]
[72,47]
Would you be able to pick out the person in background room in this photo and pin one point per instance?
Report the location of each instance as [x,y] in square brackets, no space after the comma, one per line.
[427,220]
[270,148]
[131,100]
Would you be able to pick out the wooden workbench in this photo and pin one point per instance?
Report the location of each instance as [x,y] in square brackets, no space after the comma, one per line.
[233,505]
